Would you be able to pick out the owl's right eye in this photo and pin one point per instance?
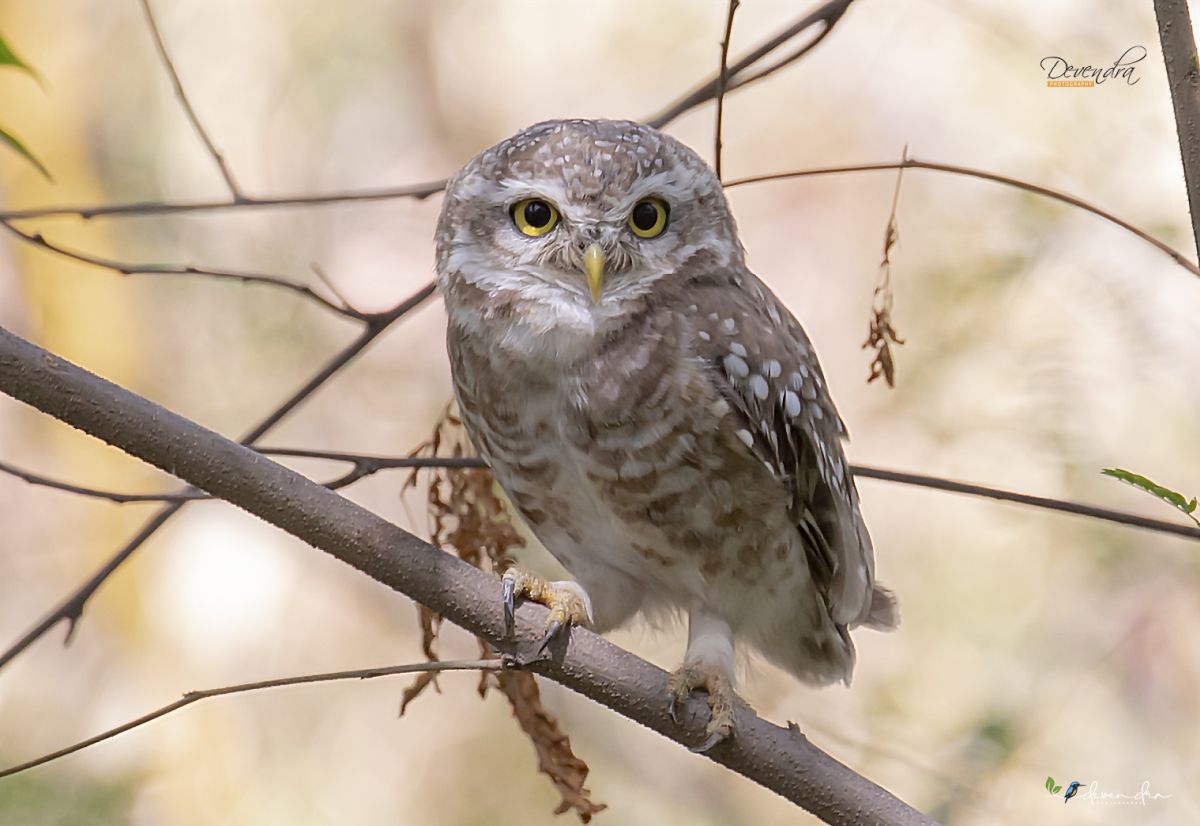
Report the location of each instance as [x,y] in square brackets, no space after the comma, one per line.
[534,217]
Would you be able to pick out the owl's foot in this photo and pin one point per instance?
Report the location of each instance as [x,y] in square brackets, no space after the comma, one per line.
[721,698]
[567,601]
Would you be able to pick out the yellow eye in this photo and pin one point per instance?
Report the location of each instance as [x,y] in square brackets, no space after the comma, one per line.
[534,217]
[648,219]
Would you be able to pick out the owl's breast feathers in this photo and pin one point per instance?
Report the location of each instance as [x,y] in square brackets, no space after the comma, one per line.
[699,437]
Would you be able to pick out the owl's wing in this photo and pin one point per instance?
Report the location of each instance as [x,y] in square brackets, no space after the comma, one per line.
[761,361]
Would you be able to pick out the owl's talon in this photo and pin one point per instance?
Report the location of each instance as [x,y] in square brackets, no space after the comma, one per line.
[553,628]
[510,608]
[567,602]
[721,699]
[713,739]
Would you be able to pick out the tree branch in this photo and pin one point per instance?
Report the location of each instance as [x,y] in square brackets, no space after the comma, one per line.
[204,694]
[826,15]
[129,268]
[781,759]
[722,80]
[226,172]
[365,465]
[71,607]
[1183,76]
[1037,189]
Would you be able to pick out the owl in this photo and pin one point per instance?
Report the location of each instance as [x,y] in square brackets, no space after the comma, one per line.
[652,410]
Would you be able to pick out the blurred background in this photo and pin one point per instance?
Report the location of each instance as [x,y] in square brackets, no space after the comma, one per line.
[1042,344]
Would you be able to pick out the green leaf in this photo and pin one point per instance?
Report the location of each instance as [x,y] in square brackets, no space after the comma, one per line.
[1172,497]
[1049,784]
[9,58]
[19,147]
[1056,790]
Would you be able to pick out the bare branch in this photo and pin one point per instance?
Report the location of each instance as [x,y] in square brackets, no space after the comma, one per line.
[781,759]
[242,688]
[826,15]
[1183,75]
[1037,189]
[70,609]
[128,268]
[96,493]
[367,465]
[722,80]
[1060,505]
[226,173]
[416,191]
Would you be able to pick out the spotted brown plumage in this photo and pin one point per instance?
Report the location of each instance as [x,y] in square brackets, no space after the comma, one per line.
[653,411]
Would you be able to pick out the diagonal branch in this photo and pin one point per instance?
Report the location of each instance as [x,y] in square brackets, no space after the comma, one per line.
[242,688]
[226,172]
[781,759]
[70,609]
[826,15]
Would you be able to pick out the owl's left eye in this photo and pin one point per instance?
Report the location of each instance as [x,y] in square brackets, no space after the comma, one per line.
[648,218]
[534,217]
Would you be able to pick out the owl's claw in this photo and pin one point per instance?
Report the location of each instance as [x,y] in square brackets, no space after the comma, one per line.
[567,602]
[510,608]
[721,699]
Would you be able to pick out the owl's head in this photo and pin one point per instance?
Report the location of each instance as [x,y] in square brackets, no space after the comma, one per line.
[584,216]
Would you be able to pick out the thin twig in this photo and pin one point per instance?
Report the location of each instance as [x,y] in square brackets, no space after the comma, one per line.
[70,609]
[1183,76]
[96,493]
[131,268]
[1060,505]
[915,163]
[138,208]
[226,172]
[205,694]
[826,15]
[722,79]
[367,465]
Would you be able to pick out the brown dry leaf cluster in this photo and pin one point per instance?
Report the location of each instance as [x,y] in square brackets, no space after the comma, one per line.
[468,518]
[881,334]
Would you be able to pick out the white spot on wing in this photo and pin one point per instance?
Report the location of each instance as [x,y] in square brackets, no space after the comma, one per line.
[746,438]
[758,385]
[736,366]
[791,404]
[737,349]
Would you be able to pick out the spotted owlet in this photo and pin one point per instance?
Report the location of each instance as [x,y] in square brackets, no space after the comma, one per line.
[653,411]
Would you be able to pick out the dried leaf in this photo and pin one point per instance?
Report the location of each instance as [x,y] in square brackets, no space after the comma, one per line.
[555,758]
[467,516]
[881,335]
[423,680]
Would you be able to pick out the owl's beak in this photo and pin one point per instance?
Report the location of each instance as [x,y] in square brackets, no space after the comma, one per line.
[593,266]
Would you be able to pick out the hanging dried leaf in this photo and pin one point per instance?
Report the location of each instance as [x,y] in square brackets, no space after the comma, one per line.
[555,758]
[881,334]
[467,516]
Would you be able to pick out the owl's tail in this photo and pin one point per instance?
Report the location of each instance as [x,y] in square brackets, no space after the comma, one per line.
[884,613]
